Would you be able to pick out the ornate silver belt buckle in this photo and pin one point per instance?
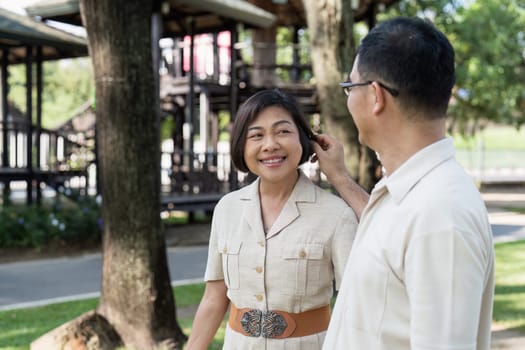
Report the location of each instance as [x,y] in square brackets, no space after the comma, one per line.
[273,324]
[268,324]
[251,322]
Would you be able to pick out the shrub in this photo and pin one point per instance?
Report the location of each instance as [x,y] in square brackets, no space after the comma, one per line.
[35,226]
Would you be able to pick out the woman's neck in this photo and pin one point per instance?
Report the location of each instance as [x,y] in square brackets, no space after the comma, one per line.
[277,190]
[273,197]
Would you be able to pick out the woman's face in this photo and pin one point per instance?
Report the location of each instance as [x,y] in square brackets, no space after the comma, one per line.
[273,149]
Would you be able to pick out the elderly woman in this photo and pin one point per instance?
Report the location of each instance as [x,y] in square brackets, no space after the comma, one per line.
[276,245]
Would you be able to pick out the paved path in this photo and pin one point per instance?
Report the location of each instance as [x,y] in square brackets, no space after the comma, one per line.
[507,225]
[42,282]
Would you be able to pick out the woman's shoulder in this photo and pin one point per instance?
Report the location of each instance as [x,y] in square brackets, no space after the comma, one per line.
[328,195]
[236,197]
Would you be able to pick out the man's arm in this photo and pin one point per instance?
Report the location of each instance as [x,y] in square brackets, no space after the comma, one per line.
[330,154]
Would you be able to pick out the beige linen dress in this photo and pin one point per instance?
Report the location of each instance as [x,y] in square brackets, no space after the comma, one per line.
[292,268]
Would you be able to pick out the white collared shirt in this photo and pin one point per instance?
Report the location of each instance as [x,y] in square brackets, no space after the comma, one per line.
[421,271]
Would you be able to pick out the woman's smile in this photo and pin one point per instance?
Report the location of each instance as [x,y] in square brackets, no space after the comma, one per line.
[273,161]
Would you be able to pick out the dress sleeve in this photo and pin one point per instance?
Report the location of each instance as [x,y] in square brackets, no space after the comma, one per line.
[214,270]
[445,276]
[343,238]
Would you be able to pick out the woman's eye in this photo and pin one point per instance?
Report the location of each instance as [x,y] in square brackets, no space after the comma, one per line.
[255,136]
[283,131]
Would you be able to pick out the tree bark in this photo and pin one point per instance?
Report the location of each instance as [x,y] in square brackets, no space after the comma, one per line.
[136,295]
[89,331]
[330,25]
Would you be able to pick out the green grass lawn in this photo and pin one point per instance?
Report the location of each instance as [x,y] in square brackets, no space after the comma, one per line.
[509,299]
[494,138]
[19,327]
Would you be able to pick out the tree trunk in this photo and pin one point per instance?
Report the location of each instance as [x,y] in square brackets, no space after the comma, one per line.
[264,51]
[330,25]
[136,295]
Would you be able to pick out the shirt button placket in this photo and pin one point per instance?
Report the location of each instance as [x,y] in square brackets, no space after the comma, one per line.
[259,269]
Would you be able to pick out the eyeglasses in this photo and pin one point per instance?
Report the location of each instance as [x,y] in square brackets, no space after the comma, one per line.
[348,85]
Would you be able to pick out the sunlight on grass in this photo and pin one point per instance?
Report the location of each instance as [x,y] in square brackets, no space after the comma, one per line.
[218,340]
[495,138]
[188,295]
[519,210]
[509,298]
[18,328]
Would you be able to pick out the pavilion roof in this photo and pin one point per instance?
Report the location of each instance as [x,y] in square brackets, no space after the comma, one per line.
[19,31]
[209,15]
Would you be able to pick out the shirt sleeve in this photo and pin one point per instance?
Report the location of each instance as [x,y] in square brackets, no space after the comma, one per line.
[342,242]
[445,279]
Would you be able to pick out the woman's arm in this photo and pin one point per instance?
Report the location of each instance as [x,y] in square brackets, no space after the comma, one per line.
[209,316]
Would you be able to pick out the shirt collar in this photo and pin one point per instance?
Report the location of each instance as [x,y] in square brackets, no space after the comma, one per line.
[401,181]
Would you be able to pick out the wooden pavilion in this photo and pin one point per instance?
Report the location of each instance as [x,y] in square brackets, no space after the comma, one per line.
[28,152]
[194,97]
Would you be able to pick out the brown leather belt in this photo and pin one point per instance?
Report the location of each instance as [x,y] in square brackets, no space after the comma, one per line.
[278,324]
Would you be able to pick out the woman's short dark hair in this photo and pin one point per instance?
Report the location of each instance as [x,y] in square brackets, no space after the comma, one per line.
[249,111]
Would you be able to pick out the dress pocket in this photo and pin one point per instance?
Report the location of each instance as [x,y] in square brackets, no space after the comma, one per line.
[230,262]
[302,264]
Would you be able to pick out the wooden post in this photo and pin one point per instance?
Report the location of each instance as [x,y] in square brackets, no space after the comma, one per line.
[234,96]
[29,120]
[5,124]
[296,72]
[190,118]
[38,120]
[216,58]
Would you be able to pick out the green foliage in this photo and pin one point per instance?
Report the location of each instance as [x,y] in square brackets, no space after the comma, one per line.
[490,46]
[35,226]
[224,125]
[489,39]
[67,84]
[166,128]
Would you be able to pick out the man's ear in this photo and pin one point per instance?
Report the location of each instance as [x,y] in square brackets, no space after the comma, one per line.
[380,98]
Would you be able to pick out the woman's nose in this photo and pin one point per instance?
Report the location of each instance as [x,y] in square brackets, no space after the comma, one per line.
[270,143]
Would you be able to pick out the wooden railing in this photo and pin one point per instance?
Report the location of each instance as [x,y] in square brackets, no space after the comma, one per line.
[30,153]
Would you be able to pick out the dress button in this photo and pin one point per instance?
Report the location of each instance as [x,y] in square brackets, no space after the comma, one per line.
[259,269]
[302,254]
[259,297]
[261,243]
[225,250]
